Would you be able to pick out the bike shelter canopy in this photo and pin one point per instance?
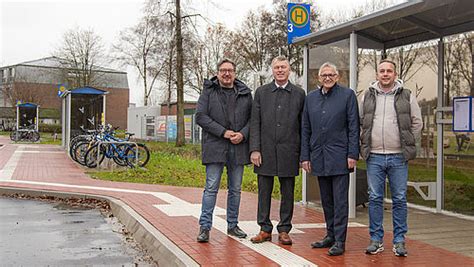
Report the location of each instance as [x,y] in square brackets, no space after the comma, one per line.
[27,116]
[82,109]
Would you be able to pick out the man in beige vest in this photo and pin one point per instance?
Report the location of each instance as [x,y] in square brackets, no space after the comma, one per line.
[390,121]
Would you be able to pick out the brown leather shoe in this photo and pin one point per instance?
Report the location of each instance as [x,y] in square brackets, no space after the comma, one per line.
[261,237]
[284,239]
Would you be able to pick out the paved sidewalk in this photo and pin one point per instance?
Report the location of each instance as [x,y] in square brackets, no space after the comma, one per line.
[172,213]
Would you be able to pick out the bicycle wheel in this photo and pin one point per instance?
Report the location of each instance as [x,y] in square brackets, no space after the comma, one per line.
[141,157]
[76,140]
[119,155]
[34,136]
[80,151]
[90,158]
[14,136]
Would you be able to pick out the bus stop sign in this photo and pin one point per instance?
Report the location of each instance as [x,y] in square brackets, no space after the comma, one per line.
[298,20]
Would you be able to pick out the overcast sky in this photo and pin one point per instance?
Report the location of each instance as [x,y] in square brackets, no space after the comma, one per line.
[32,29]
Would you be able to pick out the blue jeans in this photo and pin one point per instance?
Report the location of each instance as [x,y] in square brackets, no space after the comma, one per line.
[395,167]
[213,180]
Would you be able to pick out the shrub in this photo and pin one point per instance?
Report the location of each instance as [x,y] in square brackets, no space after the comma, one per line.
[50,128]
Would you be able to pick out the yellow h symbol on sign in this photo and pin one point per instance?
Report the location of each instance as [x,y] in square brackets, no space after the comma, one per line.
[299,16]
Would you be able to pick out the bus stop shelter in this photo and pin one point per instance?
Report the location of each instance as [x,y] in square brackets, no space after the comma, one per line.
[404,24]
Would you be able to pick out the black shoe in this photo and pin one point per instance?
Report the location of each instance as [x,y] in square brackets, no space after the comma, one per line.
[337,249]
[203,235]
[237,232]
[327,242]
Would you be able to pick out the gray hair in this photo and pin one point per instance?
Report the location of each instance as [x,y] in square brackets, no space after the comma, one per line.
[280,58]
[328,65]
[225,60]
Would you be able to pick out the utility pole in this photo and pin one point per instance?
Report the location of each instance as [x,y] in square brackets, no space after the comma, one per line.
[180,141]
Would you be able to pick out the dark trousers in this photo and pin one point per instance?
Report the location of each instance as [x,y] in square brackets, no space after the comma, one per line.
[265,188]
[334,197]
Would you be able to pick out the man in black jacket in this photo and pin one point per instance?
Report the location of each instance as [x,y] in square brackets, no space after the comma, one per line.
[275,146]
[223,112]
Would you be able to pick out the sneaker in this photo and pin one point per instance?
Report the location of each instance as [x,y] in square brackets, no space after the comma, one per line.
[374,247]
[399,249]
[237,232]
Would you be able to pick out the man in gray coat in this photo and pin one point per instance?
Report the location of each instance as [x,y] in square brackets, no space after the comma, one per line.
[275,147]
[223,112]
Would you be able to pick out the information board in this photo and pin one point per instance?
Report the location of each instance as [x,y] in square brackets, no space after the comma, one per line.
[463,112]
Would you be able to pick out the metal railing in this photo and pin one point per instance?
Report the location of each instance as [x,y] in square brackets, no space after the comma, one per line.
[99,144]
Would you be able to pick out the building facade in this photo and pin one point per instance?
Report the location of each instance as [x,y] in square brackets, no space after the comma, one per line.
[38,81]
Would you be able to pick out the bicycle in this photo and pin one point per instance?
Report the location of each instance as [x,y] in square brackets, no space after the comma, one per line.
[27,134]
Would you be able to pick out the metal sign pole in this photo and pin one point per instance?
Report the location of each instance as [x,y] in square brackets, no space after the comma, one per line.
[353,85]
[306,88]
[439,129]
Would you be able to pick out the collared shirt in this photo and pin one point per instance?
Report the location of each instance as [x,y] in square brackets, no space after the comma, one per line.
[283,87]
[324,91]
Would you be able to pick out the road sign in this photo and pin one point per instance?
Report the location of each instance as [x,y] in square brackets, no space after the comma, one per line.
[298,20]
[61,90]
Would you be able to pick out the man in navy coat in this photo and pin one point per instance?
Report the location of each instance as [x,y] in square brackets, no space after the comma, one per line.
[330,150]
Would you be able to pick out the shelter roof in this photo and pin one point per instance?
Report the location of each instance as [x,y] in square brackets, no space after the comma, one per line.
[410,22]
[88,91]
[27,105]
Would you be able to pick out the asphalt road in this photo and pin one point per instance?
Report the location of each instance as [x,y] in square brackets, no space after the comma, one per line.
[34,233]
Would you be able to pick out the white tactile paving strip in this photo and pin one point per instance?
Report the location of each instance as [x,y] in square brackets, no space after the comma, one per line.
[7,172]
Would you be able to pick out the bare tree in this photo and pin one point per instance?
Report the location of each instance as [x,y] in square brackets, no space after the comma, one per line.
[139,46]
[457,66]
[23,89]
[408,59]
[80,53]
[180,141]
[462,55]
[252,40]
[205,54]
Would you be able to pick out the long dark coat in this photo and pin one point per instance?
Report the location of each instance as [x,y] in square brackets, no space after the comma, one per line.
[330,131]
[211,116]
[275,129]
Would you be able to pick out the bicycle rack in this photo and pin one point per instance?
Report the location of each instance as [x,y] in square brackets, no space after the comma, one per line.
[114,142]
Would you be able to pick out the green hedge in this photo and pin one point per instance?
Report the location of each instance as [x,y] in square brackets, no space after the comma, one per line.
[49,128]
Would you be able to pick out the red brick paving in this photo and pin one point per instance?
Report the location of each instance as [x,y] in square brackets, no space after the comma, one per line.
[221,250]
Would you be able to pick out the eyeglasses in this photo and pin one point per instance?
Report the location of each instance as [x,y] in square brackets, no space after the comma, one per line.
[226,70]
[324,76]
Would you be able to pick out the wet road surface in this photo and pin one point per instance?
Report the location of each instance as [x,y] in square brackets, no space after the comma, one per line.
[34,233]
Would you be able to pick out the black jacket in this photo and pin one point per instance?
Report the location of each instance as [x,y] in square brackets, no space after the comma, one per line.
[275,129]
[211,115]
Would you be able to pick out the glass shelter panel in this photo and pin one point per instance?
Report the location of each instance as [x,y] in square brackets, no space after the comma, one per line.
[86,112]
[336,53]
[27,117]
